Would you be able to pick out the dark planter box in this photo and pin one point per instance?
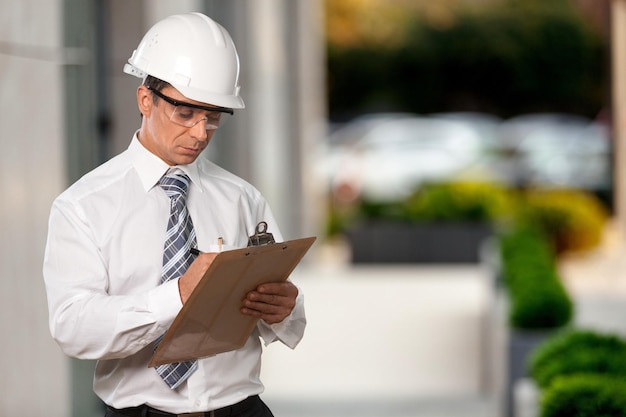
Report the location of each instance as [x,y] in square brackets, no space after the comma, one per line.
[386,242]
[521,345]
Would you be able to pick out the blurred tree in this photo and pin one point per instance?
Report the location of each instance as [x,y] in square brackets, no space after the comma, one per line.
[503,57]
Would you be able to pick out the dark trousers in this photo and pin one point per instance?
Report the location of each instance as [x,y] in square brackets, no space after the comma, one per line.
[255,407]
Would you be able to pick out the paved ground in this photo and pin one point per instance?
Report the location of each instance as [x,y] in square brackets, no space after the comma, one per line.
[416,341]
[444,407]
[387,341]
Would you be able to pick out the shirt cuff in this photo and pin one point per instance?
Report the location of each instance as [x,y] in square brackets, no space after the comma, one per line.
[164,301]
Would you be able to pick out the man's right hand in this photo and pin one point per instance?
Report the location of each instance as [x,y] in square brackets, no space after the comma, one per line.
[188,281]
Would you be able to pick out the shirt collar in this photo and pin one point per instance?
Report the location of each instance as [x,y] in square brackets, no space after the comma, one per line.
[151,168]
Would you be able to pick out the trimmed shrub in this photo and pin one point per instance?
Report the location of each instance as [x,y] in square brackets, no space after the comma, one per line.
[585,396]
[459,201]
[538,298]
[573,220]
[436,202]
[372,210]
[578,351]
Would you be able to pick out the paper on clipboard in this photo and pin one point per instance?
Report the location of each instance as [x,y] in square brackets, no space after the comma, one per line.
[210,322]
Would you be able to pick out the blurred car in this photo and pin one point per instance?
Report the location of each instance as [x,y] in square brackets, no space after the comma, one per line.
[556,150]
[486,125]
[385,157]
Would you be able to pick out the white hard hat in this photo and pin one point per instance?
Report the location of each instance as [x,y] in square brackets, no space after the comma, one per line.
[193,53]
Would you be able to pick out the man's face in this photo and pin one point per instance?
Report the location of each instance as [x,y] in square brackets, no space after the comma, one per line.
[173,143]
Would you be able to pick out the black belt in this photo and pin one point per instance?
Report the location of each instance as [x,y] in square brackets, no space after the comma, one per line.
[231,410]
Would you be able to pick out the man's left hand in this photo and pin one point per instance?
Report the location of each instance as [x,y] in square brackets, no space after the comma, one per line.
[272,302]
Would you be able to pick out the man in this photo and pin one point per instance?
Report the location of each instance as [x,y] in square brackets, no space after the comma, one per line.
[118,266]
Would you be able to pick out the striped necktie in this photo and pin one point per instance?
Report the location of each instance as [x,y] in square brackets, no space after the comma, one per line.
[179,239]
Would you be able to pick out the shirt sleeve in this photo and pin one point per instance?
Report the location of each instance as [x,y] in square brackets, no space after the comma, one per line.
[85,320]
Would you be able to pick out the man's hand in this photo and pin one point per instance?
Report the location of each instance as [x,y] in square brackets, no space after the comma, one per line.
[188,281]
[272,301]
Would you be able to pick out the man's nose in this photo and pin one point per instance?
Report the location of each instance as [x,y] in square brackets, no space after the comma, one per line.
[198,130]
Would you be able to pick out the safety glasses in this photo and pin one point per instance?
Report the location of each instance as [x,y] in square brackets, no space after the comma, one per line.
[189,115]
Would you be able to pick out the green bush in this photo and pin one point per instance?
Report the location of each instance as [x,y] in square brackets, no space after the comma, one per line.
[573,220]
[578,351]
[570,220]
[458,201]
[585,396]
[537,296]
[435,202]
[372,210]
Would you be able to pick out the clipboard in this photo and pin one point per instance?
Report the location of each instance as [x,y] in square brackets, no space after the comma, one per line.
[210,322]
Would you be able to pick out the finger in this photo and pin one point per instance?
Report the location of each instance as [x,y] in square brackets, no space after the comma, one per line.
[288,302]
[272,299]
[262,313]
[271,306]
[262,309]
[266,307]
[280,288]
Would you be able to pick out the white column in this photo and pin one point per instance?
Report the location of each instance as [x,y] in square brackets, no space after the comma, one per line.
[35,378]
[270,107]
[312,113]
[156,10]
[618,53]
[284,63]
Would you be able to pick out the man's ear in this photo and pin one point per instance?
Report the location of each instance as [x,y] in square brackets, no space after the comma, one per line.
[144,100]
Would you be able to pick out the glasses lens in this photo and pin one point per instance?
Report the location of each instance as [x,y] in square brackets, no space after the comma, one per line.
[189,116]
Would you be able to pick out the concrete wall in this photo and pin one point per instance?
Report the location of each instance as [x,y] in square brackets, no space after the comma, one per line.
[32,166]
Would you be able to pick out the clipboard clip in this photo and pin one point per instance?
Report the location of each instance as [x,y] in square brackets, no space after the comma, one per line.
[261,236]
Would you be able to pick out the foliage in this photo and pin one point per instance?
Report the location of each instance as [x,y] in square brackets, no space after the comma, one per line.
[585,396]
[575,352]
[570,220]
[574,220]
[507,58]
[444,202]
[538,298]
[581,373]
[458,201]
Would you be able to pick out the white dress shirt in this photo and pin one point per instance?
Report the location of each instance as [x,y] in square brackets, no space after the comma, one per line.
[102,271]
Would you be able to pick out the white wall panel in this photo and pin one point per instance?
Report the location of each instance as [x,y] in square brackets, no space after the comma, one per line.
[31,175]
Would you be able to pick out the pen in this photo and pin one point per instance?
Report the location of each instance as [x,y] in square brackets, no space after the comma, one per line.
[196,252]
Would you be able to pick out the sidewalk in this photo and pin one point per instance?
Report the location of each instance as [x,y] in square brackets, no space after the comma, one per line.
[443,407]
[416,340]
[393,341]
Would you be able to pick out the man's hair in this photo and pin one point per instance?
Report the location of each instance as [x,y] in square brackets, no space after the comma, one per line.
[156,84]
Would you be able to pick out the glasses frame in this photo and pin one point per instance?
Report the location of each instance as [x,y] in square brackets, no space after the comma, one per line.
[177,103]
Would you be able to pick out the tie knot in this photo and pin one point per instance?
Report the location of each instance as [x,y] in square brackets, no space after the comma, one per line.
[175,184]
